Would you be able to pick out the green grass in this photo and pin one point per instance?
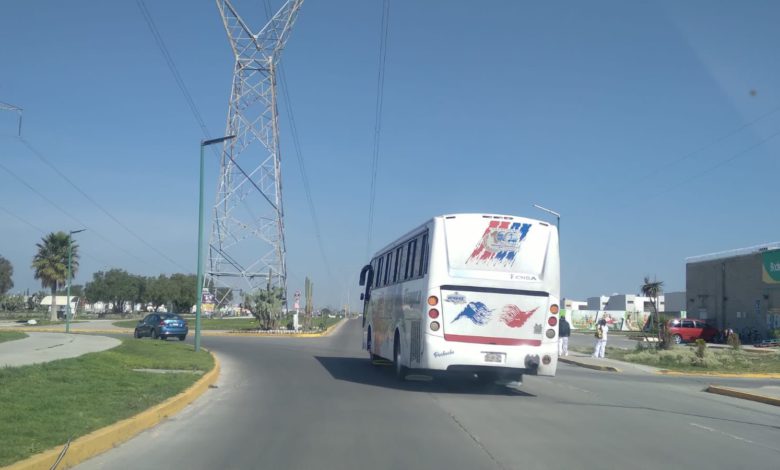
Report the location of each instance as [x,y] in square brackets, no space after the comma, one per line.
[684,359]
[11,335]
[231,324]
[45,404]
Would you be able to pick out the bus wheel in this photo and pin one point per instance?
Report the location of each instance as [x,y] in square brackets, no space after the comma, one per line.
[371,356]
[400,369]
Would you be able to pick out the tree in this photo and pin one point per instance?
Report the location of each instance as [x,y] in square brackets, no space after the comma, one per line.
[6,276]
[159,290]
[653,289]
[115,286]
[184,293]
[50,263]
[265,305]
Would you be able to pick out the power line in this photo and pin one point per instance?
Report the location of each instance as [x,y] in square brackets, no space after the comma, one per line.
[717,165]
[299,156]
[61,209]
[174,70]
[98,205]
[44,232]
[711,143]
[380,85]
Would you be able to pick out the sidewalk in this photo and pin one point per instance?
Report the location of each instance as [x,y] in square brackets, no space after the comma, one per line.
[606,364]
[44,347]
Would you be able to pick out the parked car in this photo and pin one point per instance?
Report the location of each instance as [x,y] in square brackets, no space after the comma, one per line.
[162,326]
[689,329]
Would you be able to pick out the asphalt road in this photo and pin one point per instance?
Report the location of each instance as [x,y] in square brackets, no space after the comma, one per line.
[319,404]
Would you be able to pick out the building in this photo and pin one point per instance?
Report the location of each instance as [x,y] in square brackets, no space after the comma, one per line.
[569,304]
[628,303]
[674,302]
[62,303]
[738,289]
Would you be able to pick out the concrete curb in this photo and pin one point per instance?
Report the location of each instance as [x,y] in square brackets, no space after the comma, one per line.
[720,374]
[589,366]
[106,438]
[327,332]
[729,392]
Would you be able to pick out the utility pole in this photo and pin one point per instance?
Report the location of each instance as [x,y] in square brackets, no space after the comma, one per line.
[70,278]
[247,246]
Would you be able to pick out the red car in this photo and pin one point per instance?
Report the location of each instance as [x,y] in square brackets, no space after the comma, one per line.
[689,329]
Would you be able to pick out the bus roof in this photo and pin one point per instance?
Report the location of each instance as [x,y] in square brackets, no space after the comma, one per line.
[419,227]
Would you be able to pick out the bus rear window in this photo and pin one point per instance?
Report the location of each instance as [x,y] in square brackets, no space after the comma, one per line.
[513,246]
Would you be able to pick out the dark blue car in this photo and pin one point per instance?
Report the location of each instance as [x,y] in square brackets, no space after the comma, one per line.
[162,326]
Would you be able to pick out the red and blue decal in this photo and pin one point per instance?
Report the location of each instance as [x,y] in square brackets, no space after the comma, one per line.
[499,243]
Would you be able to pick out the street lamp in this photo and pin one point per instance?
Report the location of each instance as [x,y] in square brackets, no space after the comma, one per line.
[203,145]
[557,215]
[70,279]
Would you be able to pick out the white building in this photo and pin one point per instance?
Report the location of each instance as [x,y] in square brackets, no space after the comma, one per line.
[569,304]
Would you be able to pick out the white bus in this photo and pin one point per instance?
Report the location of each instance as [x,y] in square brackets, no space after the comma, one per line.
[466,293]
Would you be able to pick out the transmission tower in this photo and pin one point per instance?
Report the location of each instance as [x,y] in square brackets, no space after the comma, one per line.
[247,249]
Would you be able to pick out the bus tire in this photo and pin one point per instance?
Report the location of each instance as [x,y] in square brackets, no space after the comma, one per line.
[373,358]
[398,367]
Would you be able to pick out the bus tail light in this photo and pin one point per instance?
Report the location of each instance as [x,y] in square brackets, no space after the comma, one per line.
[433,300]
[550,333]
[546,360]
[435,326]
[554,309]
[433,313]
[552,321]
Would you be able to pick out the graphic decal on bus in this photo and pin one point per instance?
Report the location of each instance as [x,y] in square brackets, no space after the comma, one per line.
[477,312]
[514,317]
[499,243]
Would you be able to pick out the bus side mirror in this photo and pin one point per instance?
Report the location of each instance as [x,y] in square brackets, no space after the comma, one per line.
[366,274]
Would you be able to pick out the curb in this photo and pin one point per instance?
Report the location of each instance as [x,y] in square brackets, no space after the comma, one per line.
[729,392]
[327,332]
[589,366]
[101,440]
[720,374]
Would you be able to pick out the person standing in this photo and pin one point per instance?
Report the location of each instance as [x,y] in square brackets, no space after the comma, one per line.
[601,338]
[564,331]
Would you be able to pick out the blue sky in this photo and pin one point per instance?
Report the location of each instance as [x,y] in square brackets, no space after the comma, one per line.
[583,107]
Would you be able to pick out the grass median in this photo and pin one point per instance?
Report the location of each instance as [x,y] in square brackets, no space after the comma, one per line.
[711,360]
[232,324]
[11,335]
[43,405]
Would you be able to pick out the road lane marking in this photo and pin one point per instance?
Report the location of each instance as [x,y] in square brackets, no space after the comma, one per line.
[738,438]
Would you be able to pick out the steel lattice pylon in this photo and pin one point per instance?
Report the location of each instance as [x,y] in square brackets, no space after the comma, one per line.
[247,245]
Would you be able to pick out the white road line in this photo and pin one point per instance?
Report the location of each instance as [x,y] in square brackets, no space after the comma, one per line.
[738,438]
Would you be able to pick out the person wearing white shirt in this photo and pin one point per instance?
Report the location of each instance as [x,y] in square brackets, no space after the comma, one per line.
[601,339]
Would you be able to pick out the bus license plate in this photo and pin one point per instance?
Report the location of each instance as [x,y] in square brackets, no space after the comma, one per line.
[494,357]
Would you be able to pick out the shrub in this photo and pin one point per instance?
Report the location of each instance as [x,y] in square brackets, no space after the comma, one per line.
[733,341]
[776,333]
[701,348]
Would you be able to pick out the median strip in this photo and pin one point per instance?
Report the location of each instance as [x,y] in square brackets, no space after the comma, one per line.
[83,396]
[730,392]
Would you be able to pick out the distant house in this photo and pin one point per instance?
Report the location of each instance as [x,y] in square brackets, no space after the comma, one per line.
[61,302]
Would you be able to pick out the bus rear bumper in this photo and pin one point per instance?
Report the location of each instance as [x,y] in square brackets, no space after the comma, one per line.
[473,358]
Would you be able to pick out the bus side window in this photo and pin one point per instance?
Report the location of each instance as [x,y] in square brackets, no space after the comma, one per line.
[411,248]
[399,254]
[388,263]
[379,273]
[423,256]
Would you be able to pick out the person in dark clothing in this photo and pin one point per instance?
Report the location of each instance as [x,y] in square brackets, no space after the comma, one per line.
[564,331]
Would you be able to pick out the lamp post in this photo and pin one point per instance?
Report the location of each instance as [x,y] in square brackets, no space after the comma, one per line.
[199,304]
[557,215]
[70,278]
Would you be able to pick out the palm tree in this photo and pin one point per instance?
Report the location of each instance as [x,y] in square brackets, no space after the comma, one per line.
[51,264]
[653,289]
